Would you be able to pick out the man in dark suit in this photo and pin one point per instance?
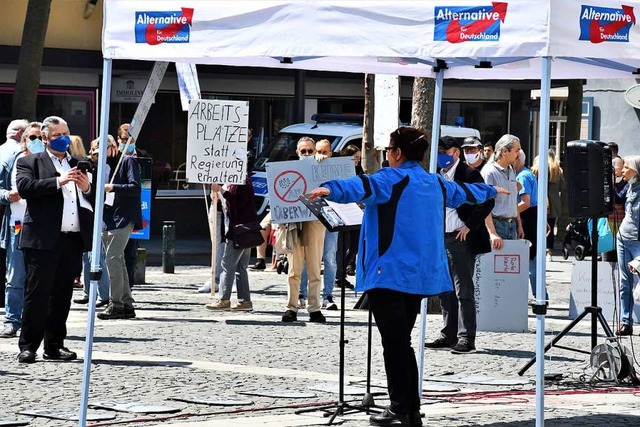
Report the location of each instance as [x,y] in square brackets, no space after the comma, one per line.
[465,237]
[57,228]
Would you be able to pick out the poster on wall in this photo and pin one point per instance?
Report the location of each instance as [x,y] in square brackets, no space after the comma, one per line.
[217,141]
[501,281]
[288,180]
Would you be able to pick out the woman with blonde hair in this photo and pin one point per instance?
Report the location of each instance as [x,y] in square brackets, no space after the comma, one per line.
[555,186]
[76,149]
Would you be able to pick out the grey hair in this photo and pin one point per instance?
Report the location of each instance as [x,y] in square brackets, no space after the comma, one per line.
[522,158]
[306,139]
[16,126]
[632,162]
[506,141]
[51,120]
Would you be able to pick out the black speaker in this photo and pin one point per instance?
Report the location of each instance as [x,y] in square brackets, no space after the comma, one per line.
[589,175]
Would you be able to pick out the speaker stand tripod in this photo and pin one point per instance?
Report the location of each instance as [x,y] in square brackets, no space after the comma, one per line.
[594,310]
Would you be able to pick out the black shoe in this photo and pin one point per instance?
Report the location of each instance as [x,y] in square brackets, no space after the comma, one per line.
[101,303]
[111,312]
[388,417]
[439,343]
[351,270]
[129,312]
[317,317]
[83,300]
[259,265]
[625,330]
[61,353]
[344,284]
[289,316]
[463,347]
[27,356]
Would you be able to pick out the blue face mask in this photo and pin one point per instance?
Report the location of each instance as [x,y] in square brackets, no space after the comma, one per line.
[60,144]
[130,149]
[35,146]
[445,160]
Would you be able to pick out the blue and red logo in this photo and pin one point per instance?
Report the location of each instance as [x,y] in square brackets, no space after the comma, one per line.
[605,24]
[457,24]
[164,27]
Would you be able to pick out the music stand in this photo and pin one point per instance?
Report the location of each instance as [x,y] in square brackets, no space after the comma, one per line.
[333,222]
[593,309]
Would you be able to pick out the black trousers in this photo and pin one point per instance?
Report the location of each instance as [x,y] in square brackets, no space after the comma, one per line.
[130,260]
[50,275]
[395,314]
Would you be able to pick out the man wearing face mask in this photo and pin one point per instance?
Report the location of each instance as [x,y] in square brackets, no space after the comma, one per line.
[465,237]
[473,154]
[57,228]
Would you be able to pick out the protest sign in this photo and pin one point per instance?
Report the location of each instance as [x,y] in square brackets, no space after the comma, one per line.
[217,141]
[288,180]
[501,280]
[608,290]
[387,111]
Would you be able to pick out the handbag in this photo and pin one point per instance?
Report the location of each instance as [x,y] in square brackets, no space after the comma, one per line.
[606,241]
[247,235]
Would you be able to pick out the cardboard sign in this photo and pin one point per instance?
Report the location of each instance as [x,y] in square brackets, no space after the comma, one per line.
[501,280]
[387,111]
[608,290]
[217,141]
[288,180]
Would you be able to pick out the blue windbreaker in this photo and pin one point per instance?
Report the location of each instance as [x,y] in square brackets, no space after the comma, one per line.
[402,234]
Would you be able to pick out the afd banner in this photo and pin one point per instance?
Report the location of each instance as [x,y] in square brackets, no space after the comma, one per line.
[288,180]
[146,170]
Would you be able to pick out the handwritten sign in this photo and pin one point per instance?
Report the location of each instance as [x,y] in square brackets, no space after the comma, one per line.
[608,290]
[217,141]
[288,180]
[501,281]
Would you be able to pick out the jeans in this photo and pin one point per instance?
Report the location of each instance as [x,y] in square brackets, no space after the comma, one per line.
[103,283]
[115,242]
[459,306]
[508,230]
[234,261]
[16,281]
[627,251]
[329,260]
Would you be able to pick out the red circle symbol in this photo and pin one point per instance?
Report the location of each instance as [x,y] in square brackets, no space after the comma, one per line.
[289,185]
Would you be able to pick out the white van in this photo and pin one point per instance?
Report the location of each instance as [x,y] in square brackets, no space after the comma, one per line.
[340,129]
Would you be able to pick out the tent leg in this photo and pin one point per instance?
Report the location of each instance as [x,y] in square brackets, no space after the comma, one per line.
[435,134]
[96,247]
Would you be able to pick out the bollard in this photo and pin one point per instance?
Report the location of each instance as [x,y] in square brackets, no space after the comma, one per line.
[168,246]
[141,265]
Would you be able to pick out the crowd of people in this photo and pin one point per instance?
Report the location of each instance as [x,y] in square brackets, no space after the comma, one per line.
[47,189]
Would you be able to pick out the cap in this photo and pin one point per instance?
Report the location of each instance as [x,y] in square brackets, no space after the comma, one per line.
[447,142]
[471,141]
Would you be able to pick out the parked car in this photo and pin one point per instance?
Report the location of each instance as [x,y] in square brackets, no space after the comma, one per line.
[340,129]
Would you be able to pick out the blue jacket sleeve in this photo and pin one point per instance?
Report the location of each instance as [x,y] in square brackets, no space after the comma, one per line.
[460,193]
[367,189]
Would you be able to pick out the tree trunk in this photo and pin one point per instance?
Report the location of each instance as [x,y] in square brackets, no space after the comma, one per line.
[370,162]
[571,133]
[422,118]
[422,110]
[30,61]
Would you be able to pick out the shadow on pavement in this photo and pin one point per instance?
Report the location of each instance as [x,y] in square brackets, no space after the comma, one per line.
[141,363]
[262,323]
[113,339]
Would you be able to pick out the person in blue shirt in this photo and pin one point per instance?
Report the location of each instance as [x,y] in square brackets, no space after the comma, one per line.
[402,254]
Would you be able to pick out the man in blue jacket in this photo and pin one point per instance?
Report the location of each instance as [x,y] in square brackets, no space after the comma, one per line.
[402,254]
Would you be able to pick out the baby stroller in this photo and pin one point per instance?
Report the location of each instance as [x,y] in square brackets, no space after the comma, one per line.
[577,239]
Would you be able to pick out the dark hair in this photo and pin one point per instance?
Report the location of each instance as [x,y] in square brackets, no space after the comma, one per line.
[349,150]
[489,144]
[411,141]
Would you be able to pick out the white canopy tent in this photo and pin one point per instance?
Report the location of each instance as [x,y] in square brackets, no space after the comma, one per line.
[443,39]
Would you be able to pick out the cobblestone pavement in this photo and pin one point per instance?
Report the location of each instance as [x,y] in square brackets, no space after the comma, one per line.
[177,348]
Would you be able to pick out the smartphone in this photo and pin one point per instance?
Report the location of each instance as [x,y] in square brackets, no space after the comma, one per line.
[84,166]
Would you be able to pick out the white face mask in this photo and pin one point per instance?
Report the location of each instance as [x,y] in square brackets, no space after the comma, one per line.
[472,158]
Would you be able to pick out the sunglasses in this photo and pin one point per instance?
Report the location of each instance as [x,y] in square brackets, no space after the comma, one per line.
[387,149]
[304,152]
[33,137]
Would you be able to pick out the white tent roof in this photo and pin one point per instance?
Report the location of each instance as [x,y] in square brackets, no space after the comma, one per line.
[399,37]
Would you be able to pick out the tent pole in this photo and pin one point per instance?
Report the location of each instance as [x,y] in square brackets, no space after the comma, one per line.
[98,183]
[541,299]
[435,134]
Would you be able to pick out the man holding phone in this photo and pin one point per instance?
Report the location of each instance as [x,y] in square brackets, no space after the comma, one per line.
[57,228]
